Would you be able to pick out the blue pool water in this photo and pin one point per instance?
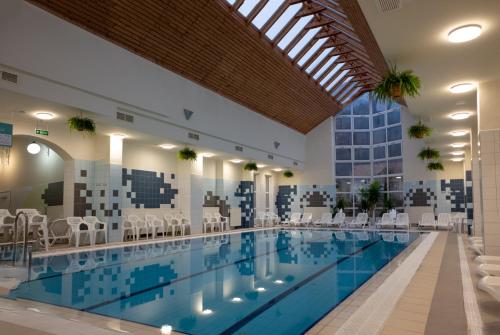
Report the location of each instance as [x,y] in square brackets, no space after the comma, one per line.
[277,281]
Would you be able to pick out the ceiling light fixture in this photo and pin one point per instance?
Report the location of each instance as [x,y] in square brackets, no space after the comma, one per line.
[457,133]
[167,146]
[457,159]
[462,88]
[118,135]
[457,153]
[260,166]
[278,169]
[260,289]
[208,154]
[464,33]
[457,145]
[279,281]
[33,148]
[460,115]
[236,161]
[236,299]
[44,116]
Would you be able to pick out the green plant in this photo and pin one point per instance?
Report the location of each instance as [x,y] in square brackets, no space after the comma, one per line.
[388,203]
[419,130]
[428,154]
[187,154]
[397,84]
[288,174]
[250,166]
[341,204]
[434,166]
[82,124]
[370,196]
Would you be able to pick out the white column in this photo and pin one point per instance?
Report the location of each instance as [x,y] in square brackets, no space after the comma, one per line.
[191,192]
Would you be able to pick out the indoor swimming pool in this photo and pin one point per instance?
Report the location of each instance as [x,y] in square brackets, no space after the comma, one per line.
[276,281]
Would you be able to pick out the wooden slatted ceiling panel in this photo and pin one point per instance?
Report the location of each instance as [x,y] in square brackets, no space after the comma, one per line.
[200,41]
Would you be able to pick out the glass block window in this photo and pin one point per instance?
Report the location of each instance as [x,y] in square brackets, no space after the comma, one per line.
[378,121]
[361,106]
[343,185]
[361,154]
[379,168]
[361,123]
[361,138]
[343,169]
[393,117]
[395,166]
[343,138]
[394,150]
[394,134]
[378,136]
[343,154]
[379,152]
[343,123]
[396,183]
[362,169]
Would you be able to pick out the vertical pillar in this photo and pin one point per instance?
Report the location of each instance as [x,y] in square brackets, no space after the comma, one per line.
[112,182]
[191,192]
[69,188]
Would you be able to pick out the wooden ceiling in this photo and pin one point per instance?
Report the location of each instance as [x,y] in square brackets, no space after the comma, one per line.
[214,44]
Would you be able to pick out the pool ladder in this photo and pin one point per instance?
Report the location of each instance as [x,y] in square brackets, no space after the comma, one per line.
[25,241]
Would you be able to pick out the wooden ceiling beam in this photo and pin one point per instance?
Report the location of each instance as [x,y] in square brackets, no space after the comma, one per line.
[313,58]
[272,20]
[318,23]
[256,10]
[305,11]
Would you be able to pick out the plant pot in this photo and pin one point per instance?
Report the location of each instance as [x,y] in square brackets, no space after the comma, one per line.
[396,91]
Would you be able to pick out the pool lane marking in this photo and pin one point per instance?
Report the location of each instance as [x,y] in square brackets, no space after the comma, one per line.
[249,317]
[174,281]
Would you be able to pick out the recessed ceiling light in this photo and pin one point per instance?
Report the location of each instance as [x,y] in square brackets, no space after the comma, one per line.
[457,153]
[462,88]
[398,177]
[260,289]
[236,299]
[457,133]
[464,33]
[167,146]
[44,115]
[460,115]
[260,166]
[278,169]
[457,159]
[236,161]
[206,311]
[278,281]
[207,154]
[457,145]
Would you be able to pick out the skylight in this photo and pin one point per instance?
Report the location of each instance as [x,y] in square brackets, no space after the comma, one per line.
[303,42]
[330,75]
[324,67]
[265,14]
[318,60]
[283,20]
[356,90]
[231,2]
[311,51]
[339,77]
[346,91]
[247,7]
[296,29]
[341,86]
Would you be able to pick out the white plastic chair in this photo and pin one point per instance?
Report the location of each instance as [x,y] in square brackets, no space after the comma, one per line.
[179,222]
[306,219]
[294,220]
[6,225]
[387,237]
[386,221]
[35,219]
[222,221]
[186,224]
[427,221]
[444,221]
[338,219]
[260,219]
[155,225]
[78,228]
[402,221]
[272,219]
[128,229]
[360,221]
[98,226]
[326,219]
[207,223]
[140,226]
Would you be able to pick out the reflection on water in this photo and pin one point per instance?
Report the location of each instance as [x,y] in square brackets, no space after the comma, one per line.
[265,282]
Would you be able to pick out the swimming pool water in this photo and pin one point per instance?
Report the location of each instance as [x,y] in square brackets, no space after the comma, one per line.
[277,281]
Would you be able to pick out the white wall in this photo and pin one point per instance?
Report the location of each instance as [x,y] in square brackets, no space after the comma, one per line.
[142,156]
[58,61]
[319,155]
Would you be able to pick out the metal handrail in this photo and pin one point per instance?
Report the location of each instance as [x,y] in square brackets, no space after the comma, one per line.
[14,240]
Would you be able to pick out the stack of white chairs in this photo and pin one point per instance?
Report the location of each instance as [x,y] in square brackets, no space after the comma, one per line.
[294,220]
[402,221]
[6,225]
[360,221]
[36,223]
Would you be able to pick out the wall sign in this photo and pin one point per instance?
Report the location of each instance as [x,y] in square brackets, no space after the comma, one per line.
[42,132]
[6,134]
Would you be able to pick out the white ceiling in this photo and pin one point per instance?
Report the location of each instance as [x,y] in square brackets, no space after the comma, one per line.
[415,37]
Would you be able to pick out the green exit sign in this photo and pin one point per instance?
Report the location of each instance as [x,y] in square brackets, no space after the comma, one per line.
[42,132]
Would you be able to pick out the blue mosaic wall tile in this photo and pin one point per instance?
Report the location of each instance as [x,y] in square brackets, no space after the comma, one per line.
[148,189]
[245,193]
[294,198]
[469,200]
[284,200]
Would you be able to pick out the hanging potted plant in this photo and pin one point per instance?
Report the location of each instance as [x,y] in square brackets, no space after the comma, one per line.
[435,166]
[397,84]
[419,130]
[250,166]
[428,154]
[187,154]
[288,174]
[82,124]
